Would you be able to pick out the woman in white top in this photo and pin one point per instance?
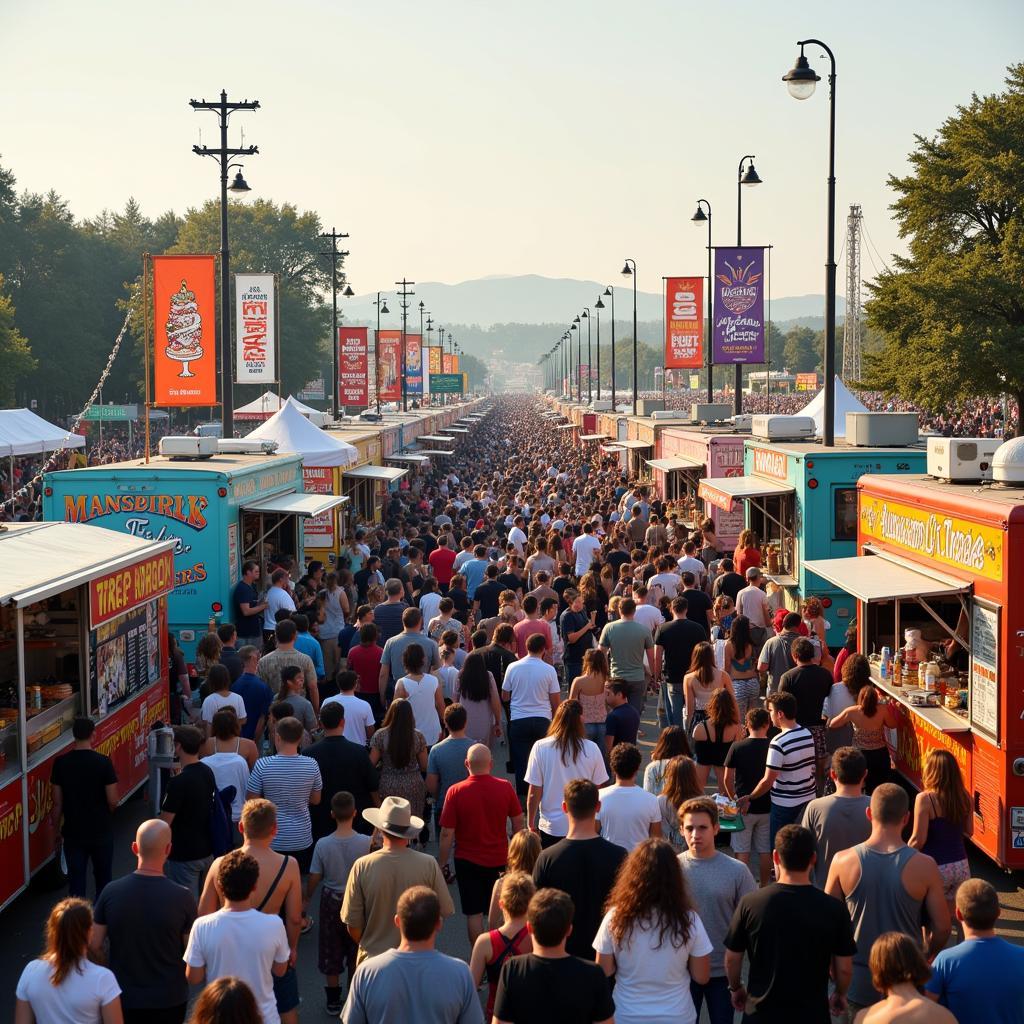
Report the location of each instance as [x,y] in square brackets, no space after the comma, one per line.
[423,692]
[63,986]
[700,682]
[224,755]
[652,941]
[221,696]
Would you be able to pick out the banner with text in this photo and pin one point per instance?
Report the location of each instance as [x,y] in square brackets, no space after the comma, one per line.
[255,329]
[353,366]
[184,330]
[414,363]
[738,335]
[684,322]
[389,365]
[446,383]
[455,363]
[447,362]
[434,359]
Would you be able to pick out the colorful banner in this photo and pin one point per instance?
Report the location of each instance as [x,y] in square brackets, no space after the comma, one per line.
[684,322]
[414,363]
[807,382]
[455,363]
[434,364]
[318,531]
[738,335]
[446,383]
[117,592]
[184,330]
[255,329]
[447,362]
[353,367]
[389,365]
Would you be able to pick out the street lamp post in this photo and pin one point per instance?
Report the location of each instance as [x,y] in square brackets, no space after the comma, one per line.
[405,293]
[382,307]
[698,218]
[335,256]
[610,292]
[748,178]
[574,326]
[599,305]
[801,80]
[424,383]
[590,356]
[629,270]
[426,363]
[223,153]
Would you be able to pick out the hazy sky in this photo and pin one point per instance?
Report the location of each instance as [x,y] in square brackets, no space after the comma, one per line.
[455,140]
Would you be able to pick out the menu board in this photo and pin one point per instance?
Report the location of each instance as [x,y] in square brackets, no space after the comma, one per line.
[124,656]
[984,693]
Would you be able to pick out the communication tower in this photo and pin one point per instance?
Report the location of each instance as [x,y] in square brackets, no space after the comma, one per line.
[852,330]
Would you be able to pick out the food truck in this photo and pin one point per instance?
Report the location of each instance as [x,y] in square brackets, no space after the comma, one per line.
[83,631]
[220,510]
[800,499]
[934,561]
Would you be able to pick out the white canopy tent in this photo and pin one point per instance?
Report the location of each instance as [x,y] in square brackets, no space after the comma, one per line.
[293,432]
[268,403]
[845,402]
[22,432]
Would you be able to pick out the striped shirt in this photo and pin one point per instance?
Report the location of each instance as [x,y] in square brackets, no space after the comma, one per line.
[791,754]
[287,780]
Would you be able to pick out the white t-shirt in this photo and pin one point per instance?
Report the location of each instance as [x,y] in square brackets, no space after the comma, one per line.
[669,582]
[241,944]
[626,814]
[585,547]
[230,769]
[78,999]
[358,715]
[448,675]
[216,701]
[652,982]
[430,605]
[277,598]
[421,697]
[530,681]
[517,537]
[649,616]
[753,602]
[690,564]
[545,768]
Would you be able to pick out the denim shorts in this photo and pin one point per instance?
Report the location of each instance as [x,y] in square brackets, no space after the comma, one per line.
[286,991]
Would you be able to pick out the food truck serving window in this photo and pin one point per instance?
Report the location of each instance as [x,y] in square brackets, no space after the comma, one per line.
[682,478]
[844,513]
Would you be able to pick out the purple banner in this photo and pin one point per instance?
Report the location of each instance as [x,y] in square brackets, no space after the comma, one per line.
[738,335]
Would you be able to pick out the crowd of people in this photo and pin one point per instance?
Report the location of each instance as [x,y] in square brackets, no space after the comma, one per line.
[477,671]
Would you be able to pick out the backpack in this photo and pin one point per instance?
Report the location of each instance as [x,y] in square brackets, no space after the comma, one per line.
[221,832]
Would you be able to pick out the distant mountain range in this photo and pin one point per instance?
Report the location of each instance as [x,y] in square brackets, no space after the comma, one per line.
[532,299]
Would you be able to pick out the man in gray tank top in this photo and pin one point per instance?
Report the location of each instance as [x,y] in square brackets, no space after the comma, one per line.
[888,887]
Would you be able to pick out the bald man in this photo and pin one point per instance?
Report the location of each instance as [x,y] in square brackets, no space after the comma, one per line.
[146,918]
[476,815]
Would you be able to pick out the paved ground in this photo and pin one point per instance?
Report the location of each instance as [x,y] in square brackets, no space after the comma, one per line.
[23,922]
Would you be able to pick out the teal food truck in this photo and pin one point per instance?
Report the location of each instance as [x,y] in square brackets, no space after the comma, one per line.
[220,510]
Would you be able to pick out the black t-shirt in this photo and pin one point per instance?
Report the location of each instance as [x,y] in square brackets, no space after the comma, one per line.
[562,990]
[570,622]
[678,638]
[730,584]
[585,869]
[698,604]
[497,659]
[509,581]
[622,724]
[747,758]
[148,918]
[83,777]
[790,934]
[188,797]
[244,596]
[810,684]
[362,581]
[344,766]
[460,598]
[616,559]
[560,585]
[487,594]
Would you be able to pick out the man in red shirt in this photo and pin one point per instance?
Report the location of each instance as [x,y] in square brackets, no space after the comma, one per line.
[533,623]
[476,815]
[364,660]
[442,560]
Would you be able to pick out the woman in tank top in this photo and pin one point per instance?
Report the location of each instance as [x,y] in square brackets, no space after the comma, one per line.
[741,665]
[700,682]
[423,692]
[713,737]
[493,948]
[869,718]
[588,689]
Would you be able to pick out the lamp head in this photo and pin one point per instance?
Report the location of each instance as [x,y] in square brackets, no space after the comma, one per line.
[576,320]
[384,307]
[608,290]
[238,184]
[626,271]
[700,217]
[348,293]
[801,79]
[599,304]
[572,327]
[585,315]
[750,176]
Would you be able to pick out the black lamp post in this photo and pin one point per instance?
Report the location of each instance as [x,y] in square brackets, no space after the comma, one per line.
[566,365]
[426,359]
[599,305]
[382,307]
[629,270]
[699,218]
[335,255]
[610,292]
[801,80]
[748,177]
[574,326]
[590,366]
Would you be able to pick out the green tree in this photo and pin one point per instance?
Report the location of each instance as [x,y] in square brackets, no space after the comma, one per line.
[476,370]
[952,311]
[16,360]
[802,349]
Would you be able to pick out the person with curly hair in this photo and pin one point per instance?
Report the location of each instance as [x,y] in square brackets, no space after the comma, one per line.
[652,940]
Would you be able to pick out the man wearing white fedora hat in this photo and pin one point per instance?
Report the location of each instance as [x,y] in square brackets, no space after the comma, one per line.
[378,880]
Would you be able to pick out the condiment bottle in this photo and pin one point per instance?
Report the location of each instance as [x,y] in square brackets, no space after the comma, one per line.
[897,672]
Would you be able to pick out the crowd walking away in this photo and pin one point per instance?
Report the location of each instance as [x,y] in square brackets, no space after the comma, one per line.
[533,714]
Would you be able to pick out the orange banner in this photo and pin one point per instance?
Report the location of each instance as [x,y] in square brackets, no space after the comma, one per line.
[447,362]
[434,359]
[684,322]
[117,592]
[184,330]
[455,363]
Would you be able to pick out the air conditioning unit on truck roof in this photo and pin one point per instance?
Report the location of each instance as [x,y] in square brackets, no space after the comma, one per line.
[965,459]
[784,428]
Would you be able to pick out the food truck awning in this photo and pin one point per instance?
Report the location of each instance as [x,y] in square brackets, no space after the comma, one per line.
[296,504]
[674,462]
[43,559]
[722,492]
[388,473]
[635,446]
[456,430]
[433,452]
[433,438]
[417,459]
[566,426]
[613,448]
[876,578]
[594,437]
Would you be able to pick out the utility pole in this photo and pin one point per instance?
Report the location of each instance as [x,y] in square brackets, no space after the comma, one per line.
[852,335]
[223,153]
[335,256]
[405,293]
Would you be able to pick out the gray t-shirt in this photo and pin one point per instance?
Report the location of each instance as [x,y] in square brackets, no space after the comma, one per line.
[716,885]
[838,822]
[776,655]
[627,640]
[333,857]
[429,988]
[395,648]
[447,760]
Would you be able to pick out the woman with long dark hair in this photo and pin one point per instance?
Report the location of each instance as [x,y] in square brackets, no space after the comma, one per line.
[869,718]
[652,940]
[477,692]
[673,742]
[563,754]
[423,691]
[399,748]
[64,985]
[713,737]
[681,784]
[741,665]
[856,674]
[700,682]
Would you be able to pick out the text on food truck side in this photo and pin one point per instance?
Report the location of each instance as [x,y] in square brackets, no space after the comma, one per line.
[183,508]
[934,536]
[140,528]
[248,486]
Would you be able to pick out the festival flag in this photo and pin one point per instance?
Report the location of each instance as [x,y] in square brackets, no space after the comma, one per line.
[434,359]
[184,330]
[684,322]
[389,365]
[255,329]
[738,335]
[414,363]
[353,364]
[447,362]
[455,363]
